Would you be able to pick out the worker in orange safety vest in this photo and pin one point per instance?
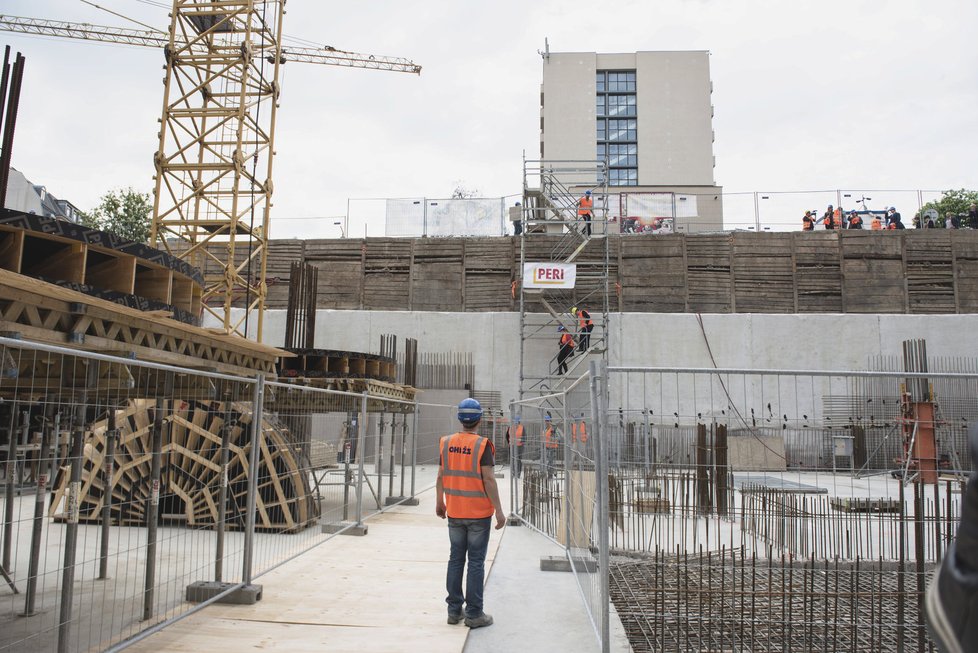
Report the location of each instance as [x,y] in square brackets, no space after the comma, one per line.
[585,211]
[584,329]
[466,493]
[579,435]
[514,439]
[551,442]
[565,350]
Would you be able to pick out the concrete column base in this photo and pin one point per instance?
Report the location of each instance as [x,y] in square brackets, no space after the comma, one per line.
[208,589]
[404,501]
[345,528]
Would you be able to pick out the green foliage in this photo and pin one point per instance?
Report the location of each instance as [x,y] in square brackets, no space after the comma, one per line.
[952,201]
[123,212]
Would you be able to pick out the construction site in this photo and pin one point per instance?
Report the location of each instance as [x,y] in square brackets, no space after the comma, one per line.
[705,440]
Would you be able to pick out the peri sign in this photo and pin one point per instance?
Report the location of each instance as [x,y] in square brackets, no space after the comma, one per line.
[549,275]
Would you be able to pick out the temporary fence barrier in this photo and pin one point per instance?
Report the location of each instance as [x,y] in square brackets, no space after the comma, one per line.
[136,493]
[707,502]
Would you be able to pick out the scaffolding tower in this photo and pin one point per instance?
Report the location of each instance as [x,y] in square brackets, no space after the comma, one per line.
[553,232]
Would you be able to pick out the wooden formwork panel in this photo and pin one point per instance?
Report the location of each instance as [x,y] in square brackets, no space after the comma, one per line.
[191,472]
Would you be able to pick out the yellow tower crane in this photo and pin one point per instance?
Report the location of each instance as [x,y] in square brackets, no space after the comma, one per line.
[213,176]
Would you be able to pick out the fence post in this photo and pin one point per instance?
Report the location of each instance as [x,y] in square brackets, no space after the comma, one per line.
[222,493]
[567,467]
[379,458]
[256,438]
[513,480]
[71,526]
[414,446]
[10,488]
[108,467]
[42,481]
[403,452]
[599,380]
[152,505]
[361,436]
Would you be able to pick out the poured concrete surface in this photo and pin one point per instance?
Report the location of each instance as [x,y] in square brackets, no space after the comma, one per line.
[386,592]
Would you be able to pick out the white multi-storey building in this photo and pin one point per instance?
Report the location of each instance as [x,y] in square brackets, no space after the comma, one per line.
[649,115]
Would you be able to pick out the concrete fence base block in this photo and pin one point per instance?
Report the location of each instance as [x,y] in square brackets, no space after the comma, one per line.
[208,589]
[345,528]
[499,475]
[560,563]
[513,520]
[404,501]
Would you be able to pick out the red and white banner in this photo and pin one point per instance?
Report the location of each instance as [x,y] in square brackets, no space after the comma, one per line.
[549,275]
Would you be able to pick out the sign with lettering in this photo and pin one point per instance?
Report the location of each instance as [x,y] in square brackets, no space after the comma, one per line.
[549,275]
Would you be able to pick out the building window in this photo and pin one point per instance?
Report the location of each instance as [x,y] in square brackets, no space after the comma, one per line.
[617,125]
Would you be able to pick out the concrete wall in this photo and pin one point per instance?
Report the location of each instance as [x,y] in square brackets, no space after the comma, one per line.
[754,341]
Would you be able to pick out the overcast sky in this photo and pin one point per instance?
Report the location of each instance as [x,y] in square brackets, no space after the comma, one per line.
[852,94]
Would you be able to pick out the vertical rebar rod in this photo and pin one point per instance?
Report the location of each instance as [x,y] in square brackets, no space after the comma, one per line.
[257,415]
[9,126]
[152,509]
[42,481]
[379,458]
[71,527]
[108,467]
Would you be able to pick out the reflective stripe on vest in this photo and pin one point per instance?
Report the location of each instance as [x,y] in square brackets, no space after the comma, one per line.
[465,492]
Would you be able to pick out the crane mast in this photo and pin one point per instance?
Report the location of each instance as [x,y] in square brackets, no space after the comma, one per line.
[213,179]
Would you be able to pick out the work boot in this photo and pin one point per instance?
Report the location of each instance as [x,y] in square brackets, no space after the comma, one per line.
[952,597]
[480,621]
[453,618]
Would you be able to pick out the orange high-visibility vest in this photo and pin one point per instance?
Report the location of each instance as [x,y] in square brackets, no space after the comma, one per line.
[585,318]
[518,436]
[585,205]
[550,442]
[579,429]
[465,492]
[876,225]
[808,223]
[566,340]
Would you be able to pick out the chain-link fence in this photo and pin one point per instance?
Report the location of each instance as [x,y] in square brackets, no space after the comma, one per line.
[750,509]
[135,493]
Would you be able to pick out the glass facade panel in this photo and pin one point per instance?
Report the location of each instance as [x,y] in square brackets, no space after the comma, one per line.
[617,126]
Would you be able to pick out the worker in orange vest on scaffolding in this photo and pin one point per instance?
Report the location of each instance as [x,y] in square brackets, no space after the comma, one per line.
[514,439]
[585,328]
[565,351]
[585,211]
[551,442]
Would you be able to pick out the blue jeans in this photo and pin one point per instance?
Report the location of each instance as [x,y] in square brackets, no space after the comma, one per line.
[468,537]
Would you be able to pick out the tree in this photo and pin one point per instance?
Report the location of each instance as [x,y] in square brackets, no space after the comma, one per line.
[463,193]
[123,212]
[954,202]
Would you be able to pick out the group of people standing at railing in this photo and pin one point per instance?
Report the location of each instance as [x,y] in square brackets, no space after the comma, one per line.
[836,218]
